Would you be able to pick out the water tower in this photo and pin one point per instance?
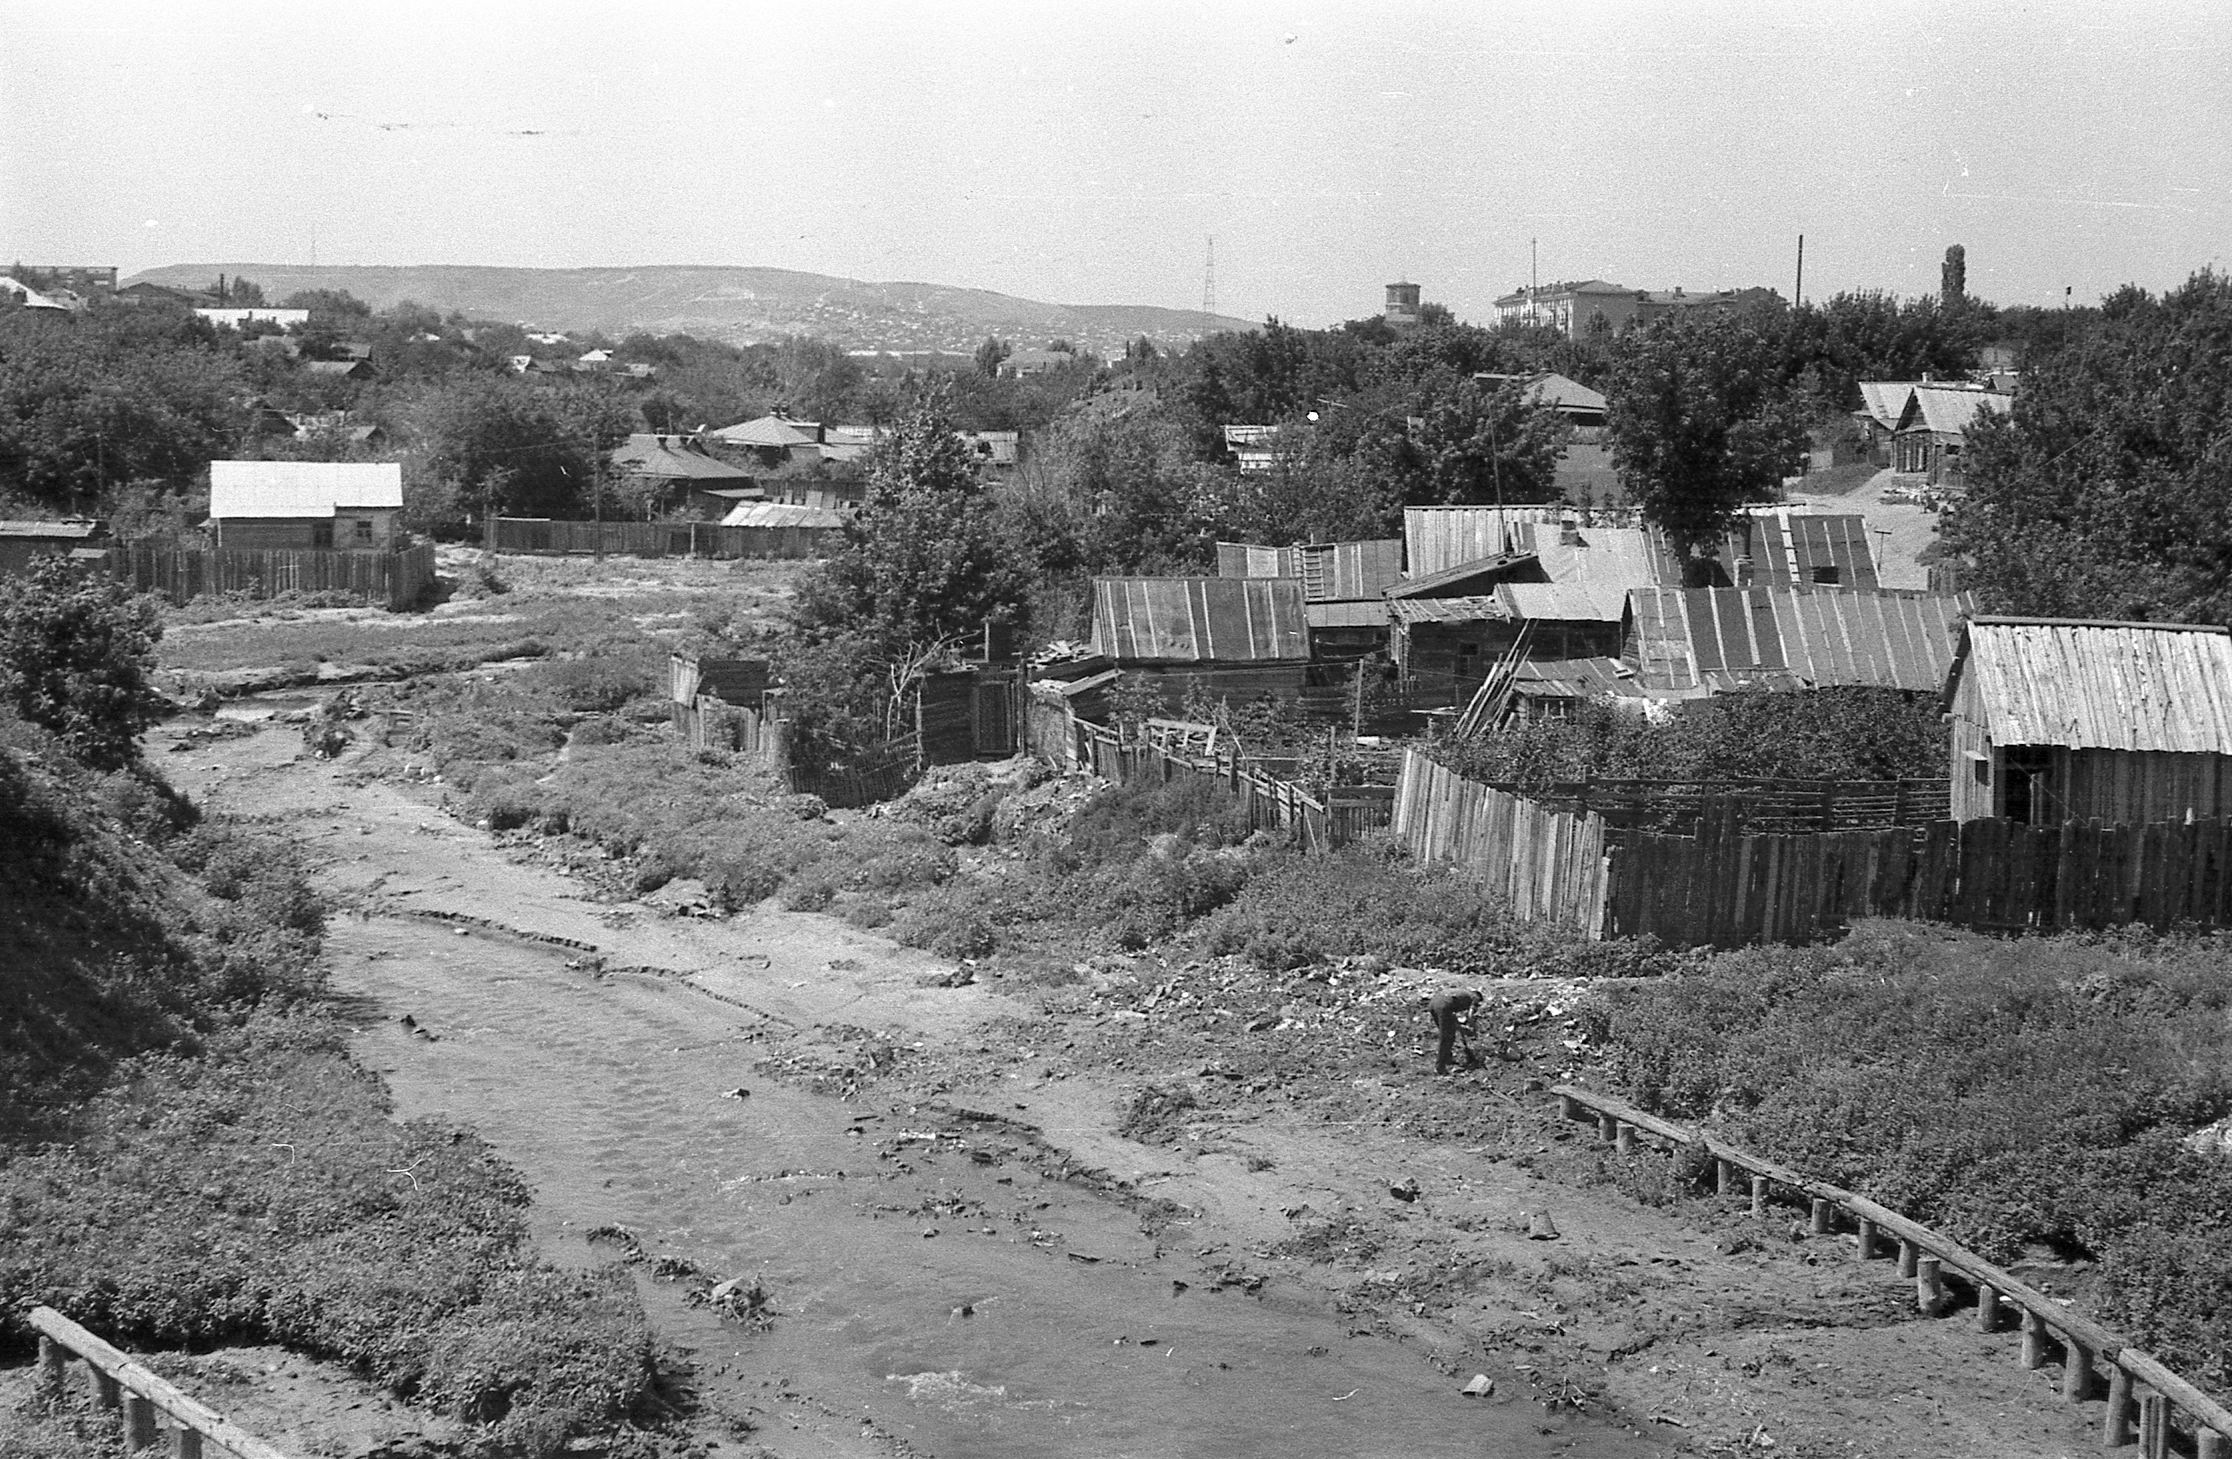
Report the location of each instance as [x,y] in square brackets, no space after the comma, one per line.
[1402,304]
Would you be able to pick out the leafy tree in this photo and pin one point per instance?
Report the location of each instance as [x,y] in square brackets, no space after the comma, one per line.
[1112,487]
[497,443]
[75,653]
[989,355]
[1953,276]
[1701,422]
[1833,345]
[2107,491]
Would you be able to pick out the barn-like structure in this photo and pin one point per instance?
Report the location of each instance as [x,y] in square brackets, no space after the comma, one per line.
[2059,719]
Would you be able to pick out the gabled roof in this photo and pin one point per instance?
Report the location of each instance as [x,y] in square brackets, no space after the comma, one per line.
[1513,602]
[1792,548]
[266,489]
[1483,573]
[1556,391]
[75,529]
[1608,559]
[771,431]
[674,458]
[1884,401]
[1200,620]
[1949,410]
[1703,639]
[2082,685]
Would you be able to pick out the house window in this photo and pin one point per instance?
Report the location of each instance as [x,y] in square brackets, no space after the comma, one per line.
[364,530]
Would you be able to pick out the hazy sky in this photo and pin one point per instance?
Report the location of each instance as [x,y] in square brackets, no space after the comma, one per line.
[1086,153]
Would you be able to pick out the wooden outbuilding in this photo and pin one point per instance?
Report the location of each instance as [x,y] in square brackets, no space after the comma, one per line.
[1232,636]
[2057,719]
[337,505]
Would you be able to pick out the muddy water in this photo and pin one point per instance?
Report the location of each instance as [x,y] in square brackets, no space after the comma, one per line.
[994,1336]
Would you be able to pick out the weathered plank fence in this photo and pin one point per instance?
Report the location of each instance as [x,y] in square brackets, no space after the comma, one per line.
[656,539]
[1717,887]
[2146,1402]
[394,580]
[1549,865]
[149,1404]
[1686,807]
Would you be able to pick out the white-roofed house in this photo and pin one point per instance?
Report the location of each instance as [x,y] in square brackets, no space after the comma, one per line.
[342,505]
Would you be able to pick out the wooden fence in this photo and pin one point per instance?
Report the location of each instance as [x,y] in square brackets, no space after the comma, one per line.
[657,539]
[1992,875]
[148,1403]
[1336,818]
[1686,806]
[394,580]
[1548,865]
[2146,1403]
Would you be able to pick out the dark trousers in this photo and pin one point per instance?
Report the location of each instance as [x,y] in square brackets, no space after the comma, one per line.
[1446,1025]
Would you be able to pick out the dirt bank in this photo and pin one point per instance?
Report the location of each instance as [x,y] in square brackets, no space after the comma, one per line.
[961,1254]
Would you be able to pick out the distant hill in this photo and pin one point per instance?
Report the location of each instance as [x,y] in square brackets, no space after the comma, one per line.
[740,305]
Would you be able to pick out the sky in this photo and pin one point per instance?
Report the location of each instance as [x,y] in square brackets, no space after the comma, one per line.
[1098,154]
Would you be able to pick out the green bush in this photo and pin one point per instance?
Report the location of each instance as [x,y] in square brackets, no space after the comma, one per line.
[597,682]
[945,924]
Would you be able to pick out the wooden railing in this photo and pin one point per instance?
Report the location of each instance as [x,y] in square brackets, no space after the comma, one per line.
[150,1405]
[2144,1399]
[1321,822]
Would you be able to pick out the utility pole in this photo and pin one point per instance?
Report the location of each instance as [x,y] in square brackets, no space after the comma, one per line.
[1798,291]
[1534,279]
[1209,289]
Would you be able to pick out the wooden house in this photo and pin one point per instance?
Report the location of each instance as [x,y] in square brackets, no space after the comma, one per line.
[675,476]
[2060,719]
[1933,429]
[23,541]
[1343,584]
[346,506]
[1235,637]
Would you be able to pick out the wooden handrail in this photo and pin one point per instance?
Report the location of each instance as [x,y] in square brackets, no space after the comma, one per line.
[2099,1343]
[119,1367]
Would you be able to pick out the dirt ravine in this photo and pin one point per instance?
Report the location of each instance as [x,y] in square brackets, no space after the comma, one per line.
[962,1257]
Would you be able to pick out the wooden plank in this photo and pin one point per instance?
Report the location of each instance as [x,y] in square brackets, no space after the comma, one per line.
[123,1369]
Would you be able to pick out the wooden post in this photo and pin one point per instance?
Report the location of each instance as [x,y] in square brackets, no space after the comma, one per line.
[2034,1340]
[1821,1217]
[1759,1197]
[2115,1424]
[1867,1239]
[1987,1307]
[2077,1374]
[1724,1177]
[186,1443]
[2209,1444]
[1608,1128]
[51,1360]
[1909,1253]
[1626,1144]
[106,1393]
[1569,1108]
[2154,1426]
[1929,1286]
[139,1422]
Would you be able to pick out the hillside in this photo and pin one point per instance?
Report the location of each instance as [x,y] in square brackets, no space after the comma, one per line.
[740,305]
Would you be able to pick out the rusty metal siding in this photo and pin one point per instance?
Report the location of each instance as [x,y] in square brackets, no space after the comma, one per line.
[1200,620]
[2102,686]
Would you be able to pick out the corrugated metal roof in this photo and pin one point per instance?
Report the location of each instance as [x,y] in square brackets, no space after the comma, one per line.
[781,514]
[76,530]
[1559,392]
[1449,610]
[1791,549]
[1705,639]
[1432,584]
[2101,686]
[1366,613]
[1574,678]
[1331,572]
[1436,539]
[1950,411]
[1567,602]
[1612,559]
[253,489]
[1200,620]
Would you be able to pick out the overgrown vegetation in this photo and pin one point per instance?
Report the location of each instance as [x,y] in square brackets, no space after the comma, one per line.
[2028,1097]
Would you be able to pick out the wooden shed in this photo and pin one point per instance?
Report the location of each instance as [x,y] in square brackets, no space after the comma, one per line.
[1242,636]
[2058,719]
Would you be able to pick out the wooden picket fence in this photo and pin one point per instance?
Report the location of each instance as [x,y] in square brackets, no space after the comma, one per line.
[393,580]
[146,1403]
[1548,865]
[656,539]
[2146,1403]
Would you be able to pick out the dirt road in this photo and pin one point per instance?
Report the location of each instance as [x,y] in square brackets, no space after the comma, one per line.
[962,1257]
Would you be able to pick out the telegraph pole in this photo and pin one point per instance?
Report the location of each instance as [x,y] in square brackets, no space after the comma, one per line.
[1798,291]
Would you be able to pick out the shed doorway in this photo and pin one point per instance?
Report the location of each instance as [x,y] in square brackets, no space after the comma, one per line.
[2030,798]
